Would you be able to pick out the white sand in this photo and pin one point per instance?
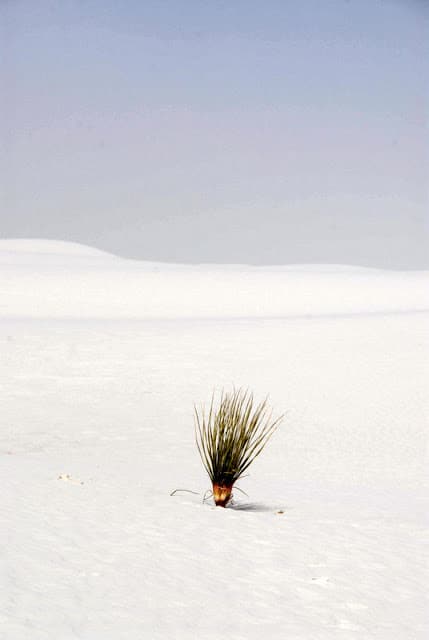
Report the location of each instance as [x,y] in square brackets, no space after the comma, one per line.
[101,360]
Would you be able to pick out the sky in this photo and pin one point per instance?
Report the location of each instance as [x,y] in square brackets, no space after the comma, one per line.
[233,131]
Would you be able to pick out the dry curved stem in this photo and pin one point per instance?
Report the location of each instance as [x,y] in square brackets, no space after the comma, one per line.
[173,493]
[241,491]
[230,437]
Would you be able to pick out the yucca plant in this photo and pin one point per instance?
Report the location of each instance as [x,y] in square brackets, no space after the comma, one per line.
[230,437]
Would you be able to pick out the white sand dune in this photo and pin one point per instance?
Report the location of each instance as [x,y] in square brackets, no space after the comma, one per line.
[101,361]
[50,279]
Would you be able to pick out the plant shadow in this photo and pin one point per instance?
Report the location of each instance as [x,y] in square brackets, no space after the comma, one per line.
[255,507]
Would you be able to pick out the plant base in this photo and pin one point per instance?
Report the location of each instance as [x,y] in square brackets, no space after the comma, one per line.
[221,494]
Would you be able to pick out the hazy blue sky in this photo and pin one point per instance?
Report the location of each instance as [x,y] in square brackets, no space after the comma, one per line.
[218,130]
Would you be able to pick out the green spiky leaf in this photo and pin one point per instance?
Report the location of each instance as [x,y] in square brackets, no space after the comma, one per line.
[232,435]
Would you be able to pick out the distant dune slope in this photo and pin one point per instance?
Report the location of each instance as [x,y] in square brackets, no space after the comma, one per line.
[25,246]
[46,278]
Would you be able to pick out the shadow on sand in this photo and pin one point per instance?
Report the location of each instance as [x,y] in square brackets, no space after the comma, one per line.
[256,507]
